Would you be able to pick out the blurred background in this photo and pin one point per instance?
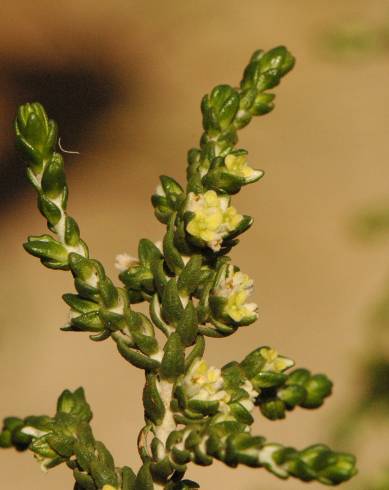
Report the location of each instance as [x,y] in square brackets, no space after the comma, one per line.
[124,80]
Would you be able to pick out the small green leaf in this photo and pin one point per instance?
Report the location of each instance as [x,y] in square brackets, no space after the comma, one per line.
[162,210]
[155,314]
[128,479]
[172,308]
[222,181]
[278,59]
[111,320]
[145,343]
[62,444]
[36,135]
[49,210]
[144,480]
[88,322]
[135,358]
[79,304]
[45,247]
[221,107]
[253,363]
[109,293]
[6,439]
[161,470]
[190,276]
[241,414]
[267,379]
[82,267]
[298,377]
[72,232]
[196,352]
[173,361]
[84,481]
[318,387]
[273,409]
[148,252]
[292,395]
[172,255]
[187,327]
[173,190]
[154,407]
[53,178]
[205,407]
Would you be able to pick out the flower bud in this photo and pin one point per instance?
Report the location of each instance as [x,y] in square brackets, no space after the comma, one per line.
[167,198]
[219,108]
[36,135]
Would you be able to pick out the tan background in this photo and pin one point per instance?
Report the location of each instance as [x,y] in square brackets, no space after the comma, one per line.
[325,152]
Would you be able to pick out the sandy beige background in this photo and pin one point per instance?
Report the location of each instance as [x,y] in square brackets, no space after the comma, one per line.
[325,151]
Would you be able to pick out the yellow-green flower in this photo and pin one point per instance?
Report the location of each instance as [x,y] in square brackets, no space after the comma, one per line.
[237,165]
[213,218]
[274,362]
[204,382]
[206,225]
[232,218]
[237,308]
[236,287]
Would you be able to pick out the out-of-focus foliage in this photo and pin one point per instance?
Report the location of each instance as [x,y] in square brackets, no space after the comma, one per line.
[373,369]
[355,40]
[346,42]
[372,224]
[381,483]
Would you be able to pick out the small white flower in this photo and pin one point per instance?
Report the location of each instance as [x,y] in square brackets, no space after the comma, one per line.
[248,403]
[32,431]
[124,261]
[159,191]
[234,281]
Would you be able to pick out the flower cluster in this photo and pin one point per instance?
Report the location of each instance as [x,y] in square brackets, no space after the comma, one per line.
[213,218]
[205,383]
